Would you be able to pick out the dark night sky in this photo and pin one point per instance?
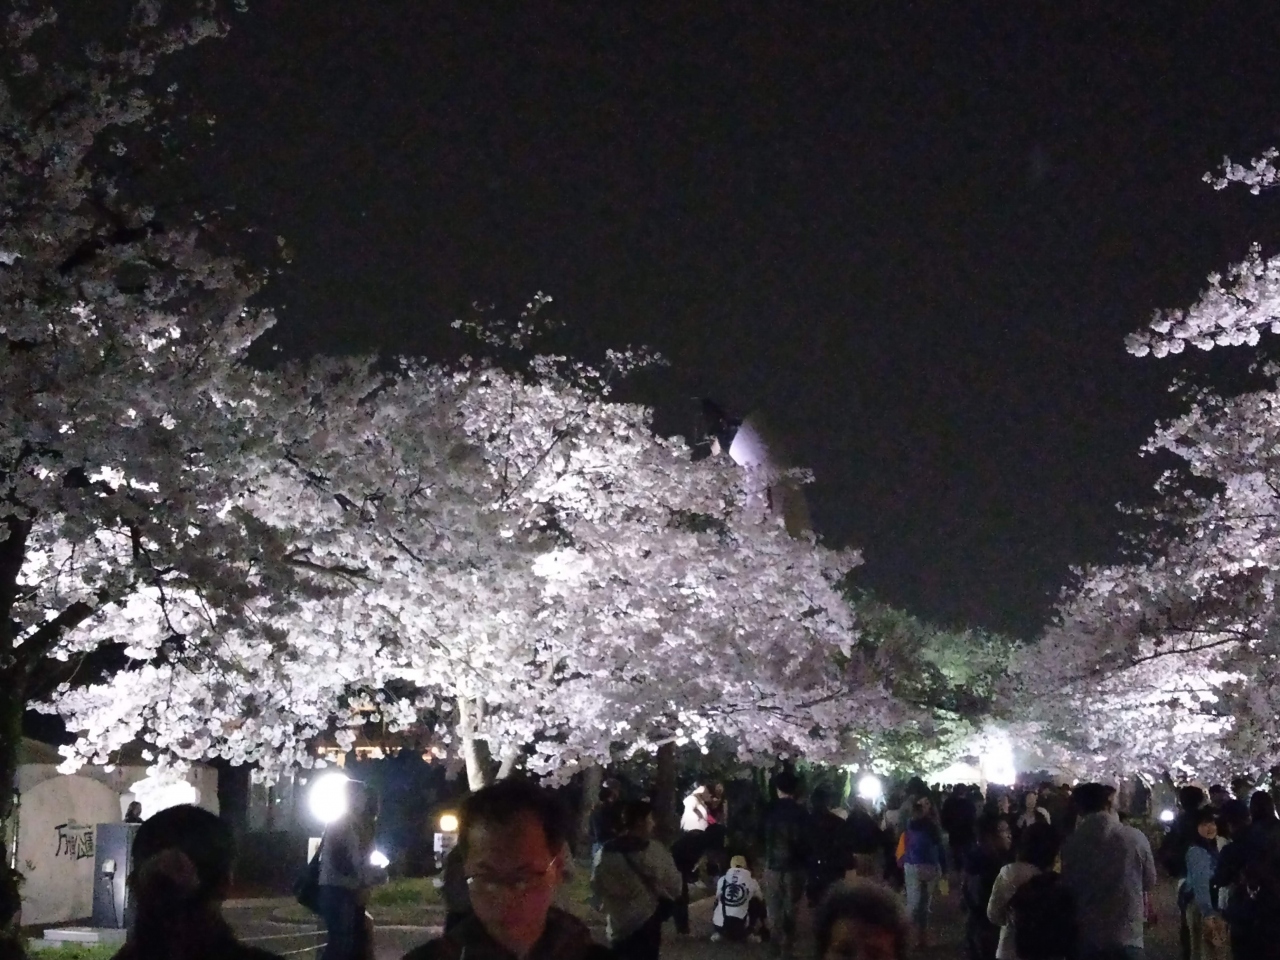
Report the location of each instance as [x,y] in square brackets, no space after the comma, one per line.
[914,233]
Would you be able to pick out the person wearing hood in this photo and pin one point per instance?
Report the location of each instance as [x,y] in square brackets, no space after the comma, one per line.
[514,855]
[739,904]
[637,881]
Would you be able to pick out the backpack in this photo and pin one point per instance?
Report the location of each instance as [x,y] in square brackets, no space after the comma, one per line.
[1044,919]
[306,888]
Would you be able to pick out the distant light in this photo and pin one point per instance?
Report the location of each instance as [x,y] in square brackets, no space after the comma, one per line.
[1167,816]
[378,859]
[996,762]
[869,788]
[327,798]
[449,823]
[159,793]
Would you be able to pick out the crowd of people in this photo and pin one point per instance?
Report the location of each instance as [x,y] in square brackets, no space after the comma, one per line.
[1046,874]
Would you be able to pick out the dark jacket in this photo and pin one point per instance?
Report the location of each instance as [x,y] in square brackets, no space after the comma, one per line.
[454,892]
[981,867]
[959,819]
[830,848]
[1251,867]
[786,835]
[865,835]
[566,938]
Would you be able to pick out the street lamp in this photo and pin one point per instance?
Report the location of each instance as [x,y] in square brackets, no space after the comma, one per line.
[446,837]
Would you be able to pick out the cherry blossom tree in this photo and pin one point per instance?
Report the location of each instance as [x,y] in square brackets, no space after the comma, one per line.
[526,553]
[125,424]
[1169,660]
[223,561]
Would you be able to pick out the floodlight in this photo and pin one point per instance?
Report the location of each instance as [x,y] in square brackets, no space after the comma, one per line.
[869,788]
[378,859]
[327,798]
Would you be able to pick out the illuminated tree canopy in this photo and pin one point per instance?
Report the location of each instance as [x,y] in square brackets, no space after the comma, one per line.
[226,561]
[1170,660]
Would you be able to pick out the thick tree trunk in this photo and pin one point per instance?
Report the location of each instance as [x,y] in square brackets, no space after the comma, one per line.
[665,801]
[475,752]
[11,706]
[592,780]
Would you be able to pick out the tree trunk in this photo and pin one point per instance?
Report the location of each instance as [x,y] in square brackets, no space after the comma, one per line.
[475,752]
[592,780]
[11,706]
[665,801]
[510,754]
[13,701]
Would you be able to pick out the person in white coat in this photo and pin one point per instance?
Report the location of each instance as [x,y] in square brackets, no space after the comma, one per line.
[739,907]
[1037,853]
[695,812]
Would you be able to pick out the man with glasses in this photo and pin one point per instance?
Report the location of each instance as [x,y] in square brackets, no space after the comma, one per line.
[514,854]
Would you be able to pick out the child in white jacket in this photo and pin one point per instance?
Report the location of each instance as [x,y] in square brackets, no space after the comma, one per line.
[739,903]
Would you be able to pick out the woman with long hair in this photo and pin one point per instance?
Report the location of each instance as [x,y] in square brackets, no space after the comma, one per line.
[182,859]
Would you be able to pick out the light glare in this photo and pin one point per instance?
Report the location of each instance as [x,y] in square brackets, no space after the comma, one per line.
[869,788]
[327,798]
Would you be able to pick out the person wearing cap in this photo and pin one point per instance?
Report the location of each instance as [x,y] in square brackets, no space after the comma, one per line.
[739,907]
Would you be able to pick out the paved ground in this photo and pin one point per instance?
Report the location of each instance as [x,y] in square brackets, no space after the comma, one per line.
[252,921]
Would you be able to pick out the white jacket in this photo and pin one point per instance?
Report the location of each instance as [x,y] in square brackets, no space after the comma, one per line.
[695,813]
[734,894]
[999,911]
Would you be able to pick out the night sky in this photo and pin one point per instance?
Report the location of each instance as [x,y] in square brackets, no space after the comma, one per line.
[914,233]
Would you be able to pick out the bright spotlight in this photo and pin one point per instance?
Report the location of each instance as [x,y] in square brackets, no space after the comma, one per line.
[869,788]
[378,859]
[327,798]
[449,823]
[1167,816]
[996,762]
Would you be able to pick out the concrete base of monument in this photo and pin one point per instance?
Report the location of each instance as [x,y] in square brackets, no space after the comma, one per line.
[62,936]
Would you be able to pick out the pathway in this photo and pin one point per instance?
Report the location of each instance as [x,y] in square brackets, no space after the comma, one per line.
[252,921]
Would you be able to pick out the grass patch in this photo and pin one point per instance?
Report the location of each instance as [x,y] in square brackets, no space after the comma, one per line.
[407,892]
[76,951]
[410,901]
